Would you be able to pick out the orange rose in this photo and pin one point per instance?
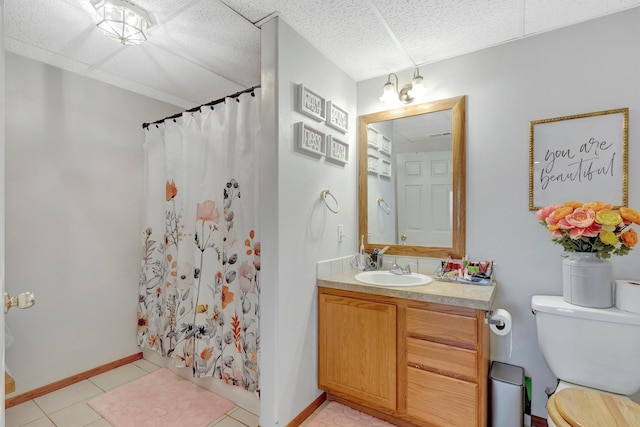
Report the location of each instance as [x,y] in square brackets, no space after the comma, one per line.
[630,215]
[573,205]
[562,212]
[598,206]
[629,238]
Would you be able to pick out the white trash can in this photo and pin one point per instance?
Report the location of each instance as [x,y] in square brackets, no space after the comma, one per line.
[506,395]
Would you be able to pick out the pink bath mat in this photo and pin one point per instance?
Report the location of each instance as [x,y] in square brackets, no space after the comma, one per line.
[337,415]
[160,399]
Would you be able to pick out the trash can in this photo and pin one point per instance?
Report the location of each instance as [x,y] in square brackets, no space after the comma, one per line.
[506,391]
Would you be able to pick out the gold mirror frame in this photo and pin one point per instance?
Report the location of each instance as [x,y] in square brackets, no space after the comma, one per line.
[458,126]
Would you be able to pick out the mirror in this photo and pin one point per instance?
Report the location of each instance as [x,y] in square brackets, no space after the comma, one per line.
[411,179]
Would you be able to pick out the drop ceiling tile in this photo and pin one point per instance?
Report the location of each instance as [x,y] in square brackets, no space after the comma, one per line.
[71,33]
[544,15]
[230,48]
[161,10]
[153,67]
[442,29]
[347,32]
[255,10]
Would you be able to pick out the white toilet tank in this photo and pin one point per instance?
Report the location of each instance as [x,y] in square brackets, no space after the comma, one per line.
[593,347]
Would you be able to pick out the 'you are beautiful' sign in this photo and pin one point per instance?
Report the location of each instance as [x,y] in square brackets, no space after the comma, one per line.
[582,157]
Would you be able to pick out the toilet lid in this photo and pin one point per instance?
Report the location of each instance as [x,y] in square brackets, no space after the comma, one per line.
[574,407]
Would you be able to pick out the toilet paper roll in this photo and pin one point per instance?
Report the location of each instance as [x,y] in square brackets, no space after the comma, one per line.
[503,317]
[628,295]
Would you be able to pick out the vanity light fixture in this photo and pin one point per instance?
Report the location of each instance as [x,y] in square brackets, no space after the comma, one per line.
[408,93]
[122,20]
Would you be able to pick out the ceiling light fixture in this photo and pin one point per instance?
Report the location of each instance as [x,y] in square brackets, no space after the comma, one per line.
[409,92]
[122,20]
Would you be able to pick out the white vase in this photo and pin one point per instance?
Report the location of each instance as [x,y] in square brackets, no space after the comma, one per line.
[587,281]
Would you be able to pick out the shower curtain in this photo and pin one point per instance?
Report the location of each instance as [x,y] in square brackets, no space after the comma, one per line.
[199,284]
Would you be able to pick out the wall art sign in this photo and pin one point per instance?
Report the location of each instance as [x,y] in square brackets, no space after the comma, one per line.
[385,168]
[372,164]
[385,145]
[337,151]
[373,137]
[337,118]
[582,157]
[311,104]
[309,140]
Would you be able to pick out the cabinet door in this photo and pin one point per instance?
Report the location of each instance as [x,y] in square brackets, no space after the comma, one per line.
[357,350]
[441,401]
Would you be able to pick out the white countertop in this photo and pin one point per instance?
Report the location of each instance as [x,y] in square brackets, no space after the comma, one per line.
[449,293]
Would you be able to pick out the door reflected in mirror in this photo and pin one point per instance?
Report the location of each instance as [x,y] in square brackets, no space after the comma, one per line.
[412,179]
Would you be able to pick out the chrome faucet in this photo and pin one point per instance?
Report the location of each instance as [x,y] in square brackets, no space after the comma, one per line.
[396,269]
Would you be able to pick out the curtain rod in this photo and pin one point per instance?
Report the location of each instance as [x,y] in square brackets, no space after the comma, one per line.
[208,104]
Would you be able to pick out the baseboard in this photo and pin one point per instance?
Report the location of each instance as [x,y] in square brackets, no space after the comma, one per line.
[306,413]
[41,391]
[538,422]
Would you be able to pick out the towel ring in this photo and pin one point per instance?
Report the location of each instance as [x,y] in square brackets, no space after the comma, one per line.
[384,205]
[324,195]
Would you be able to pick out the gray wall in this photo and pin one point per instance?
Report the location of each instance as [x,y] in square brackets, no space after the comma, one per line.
[593,66]
[74,178]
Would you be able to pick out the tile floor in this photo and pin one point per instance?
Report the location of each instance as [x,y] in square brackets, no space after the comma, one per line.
[68,407]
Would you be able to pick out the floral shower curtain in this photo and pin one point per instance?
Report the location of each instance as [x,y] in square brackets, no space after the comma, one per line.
[199,283]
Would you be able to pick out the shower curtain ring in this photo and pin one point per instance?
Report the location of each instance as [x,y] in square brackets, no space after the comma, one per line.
[324,195]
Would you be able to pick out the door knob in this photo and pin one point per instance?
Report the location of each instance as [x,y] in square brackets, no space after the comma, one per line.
[22,300]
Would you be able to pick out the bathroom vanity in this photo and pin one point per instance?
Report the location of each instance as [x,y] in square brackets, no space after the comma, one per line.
[414,356]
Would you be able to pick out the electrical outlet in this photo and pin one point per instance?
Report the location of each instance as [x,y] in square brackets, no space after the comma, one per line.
[340,233]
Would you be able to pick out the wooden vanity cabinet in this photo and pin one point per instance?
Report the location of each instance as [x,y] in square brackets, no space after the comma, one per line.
[357,342]
[417,363]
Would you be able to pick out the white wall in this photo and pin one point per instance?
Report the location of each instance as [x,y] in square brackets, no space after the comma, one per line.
[74,178]
[298,229]
[589,67]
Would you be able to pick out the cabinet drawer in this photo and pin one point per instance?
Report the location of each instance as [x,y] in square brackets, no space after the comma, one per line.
[440,400]
[445,326]
[454,360]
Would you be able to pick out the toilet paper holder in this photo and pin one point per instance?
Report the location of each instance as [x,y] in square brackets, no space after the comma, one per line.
[487,318]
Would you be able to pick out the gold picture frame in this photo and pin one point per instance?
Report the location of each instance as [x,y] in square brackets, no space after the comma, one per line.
[582,157]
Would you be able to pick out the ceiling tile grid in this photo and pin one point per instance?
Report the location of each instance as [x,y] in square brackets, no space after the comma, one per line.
[441,28]
[199,50]
[349,33]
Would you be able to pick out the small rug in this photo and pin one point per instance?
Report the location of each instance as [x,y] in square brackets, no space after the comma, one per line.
[337,415]
[160,399]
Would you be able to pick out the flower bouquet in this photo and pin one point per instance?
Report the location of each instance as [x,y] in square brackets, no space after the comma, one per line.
[591,227]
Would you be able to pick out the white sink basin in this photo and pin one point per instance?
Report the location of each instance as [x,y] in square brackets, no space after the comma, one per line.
[384,278]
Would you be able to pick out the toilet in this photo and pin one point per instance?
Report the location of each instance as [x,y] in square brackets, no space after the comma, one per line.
[595,354]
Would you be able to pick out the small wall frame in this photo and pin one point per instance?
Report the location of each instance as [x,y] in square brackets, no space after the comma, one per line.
[337,150]
[372,164]
[385,146]
[309,140]
[310,103]
[337,118]
[373,137]
[385,168]
[582,157]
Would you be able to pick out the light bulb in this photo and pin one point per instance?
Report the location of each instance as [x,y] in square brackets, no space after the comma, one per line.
[417,87]
[388,93]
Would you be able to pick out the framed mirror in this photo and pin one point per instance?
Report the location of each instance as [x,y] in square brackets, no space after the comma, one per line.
[411,179]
